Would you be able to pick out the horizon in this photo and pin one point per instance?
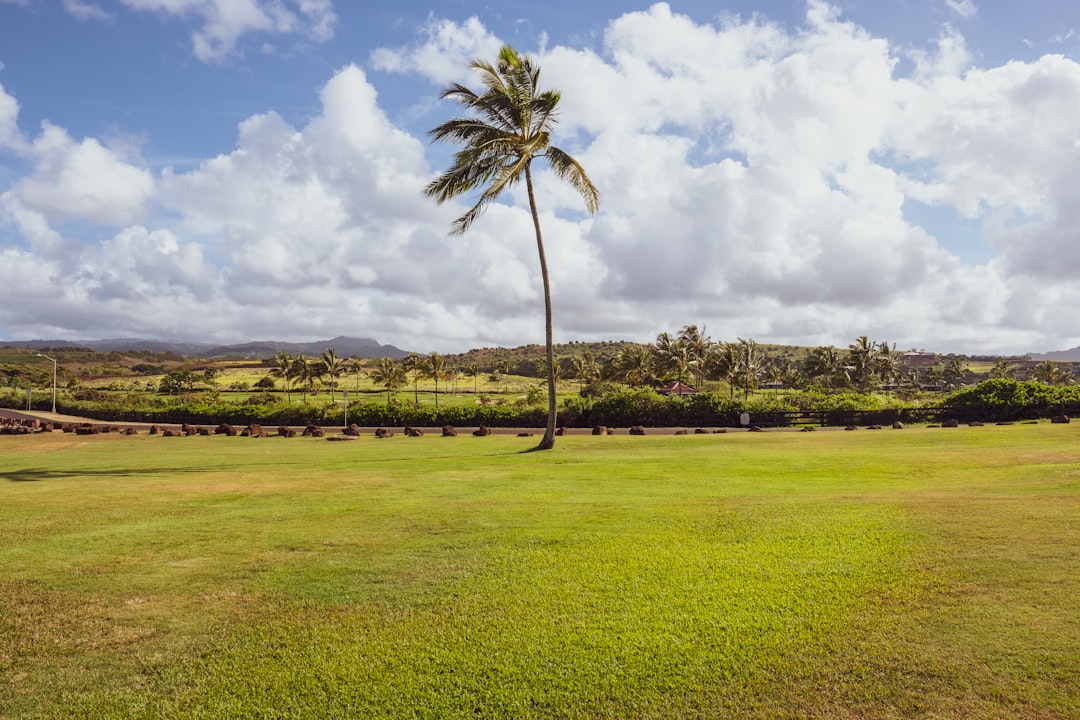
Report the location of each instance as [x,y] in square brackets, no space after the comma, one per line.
[376,342]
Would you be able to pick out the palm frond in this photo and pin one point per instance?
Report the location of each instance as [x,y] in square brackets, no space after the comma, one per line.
[509,124]
[568,169]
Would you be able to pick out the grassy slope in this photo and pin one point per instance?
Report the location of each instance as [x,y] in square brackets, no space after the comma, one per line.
[928,572]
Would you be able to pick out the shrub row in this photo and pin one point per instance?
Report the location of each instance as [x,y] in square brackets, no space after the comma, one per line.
[992,400]
[1001,400]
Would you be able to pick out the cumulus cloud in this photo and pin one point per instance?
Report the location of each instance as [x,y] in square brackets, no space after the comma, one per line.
[10,136]
[84,11]
[964,8]
[443,52]
[754,178]
[82,180]
[224,22]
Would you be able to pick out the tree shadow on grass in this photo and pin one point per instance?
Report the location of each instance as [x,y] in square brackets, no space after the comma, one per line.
[37,475]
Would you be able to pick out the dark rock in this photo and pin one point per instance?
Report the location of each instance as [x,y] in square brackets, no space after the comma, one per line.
[637,430]
[600,430]
[449,431]
[482,431]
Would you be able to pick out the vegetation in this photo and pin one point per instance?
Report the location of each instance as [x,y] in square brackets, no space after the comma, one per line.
[591,382]
[508,127]
[920,573]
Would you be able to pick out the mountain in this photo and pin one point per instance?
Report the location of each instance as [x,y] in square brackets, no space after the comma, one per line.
[1071,355]
[343,346]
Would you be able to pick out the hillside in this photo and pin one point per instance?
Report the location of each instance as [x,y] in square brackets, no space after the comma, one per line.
[262,349]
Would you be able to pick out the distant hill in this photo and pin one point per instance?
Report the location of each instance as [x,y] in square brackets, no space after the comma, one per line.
[1071,355]
[343,346]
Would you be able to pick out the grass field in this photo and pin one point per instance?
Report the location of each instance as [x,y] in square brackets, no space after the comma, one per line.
[923,573]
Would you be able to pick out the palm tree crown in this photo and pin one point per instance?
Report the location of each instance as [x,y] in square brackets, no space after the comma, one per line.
[507,127]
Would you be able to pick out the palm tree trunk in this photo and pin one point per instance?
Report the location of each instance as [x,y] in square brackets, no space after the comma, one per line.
[548,440]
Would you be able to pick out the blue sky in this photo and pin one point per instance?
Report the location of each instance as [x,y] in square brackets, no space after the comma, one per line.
[794,171]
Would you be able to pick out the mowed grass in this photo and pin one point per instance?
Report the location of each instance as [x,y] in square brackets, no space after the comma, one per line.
[928,572]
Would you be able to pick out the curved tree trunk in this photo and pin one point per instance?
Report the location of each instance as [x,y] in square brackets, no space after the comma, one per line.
[548,440]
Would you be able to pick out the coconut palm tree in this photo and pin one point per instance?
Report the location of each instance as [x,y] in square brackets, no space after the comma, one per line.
[1003,369]
[413,364]
[825,365]
[334,368]
[283,371]
[299,373]
[860,360]
[750,362]
[509,125]
[355,367]
[389,375]
[698,343]
[727,361]
[887,364]
[585,369]
[435,367]
[472,369]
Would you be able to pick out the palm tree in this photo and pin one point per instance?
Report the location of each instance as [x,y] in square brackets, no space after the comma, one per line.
[1003,369]
[334,367]
[1049,373]
[953,372]
[825,365]
[509,126]
[860,359]
[314,372]
[298,371]
[585,369]
[636,365]
[355,367]
[412,364]
[698,343]
[673,355]
[887,364]
[750,360]
[503,367]
[473,370]
[284,372]
[435,367]
[727,360]
[389,375]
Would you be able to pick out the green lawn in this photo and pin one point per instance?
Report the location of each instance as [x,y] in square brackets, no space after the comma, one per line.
[927,572]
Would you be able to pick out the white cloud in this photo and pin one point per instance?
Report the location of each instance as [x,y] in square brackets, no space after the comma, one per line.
[444,52]
[10,136]
[85,11]
[964,8]
[225,22]
[81,181]
[753,178]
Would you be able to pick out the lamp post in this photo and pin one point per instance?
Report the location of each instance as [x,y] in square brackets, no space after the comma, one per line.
[53,379]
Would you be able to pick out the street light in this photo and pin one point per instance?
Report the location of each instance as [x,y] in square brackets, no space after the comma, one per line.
[53,379]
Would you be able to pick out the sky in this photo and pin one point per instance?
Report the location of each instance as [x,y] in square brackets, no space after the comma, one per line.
[792,171]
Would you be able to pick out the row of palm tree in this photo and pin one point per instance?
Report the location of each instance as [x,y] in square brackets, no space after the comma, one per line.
[692,356]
